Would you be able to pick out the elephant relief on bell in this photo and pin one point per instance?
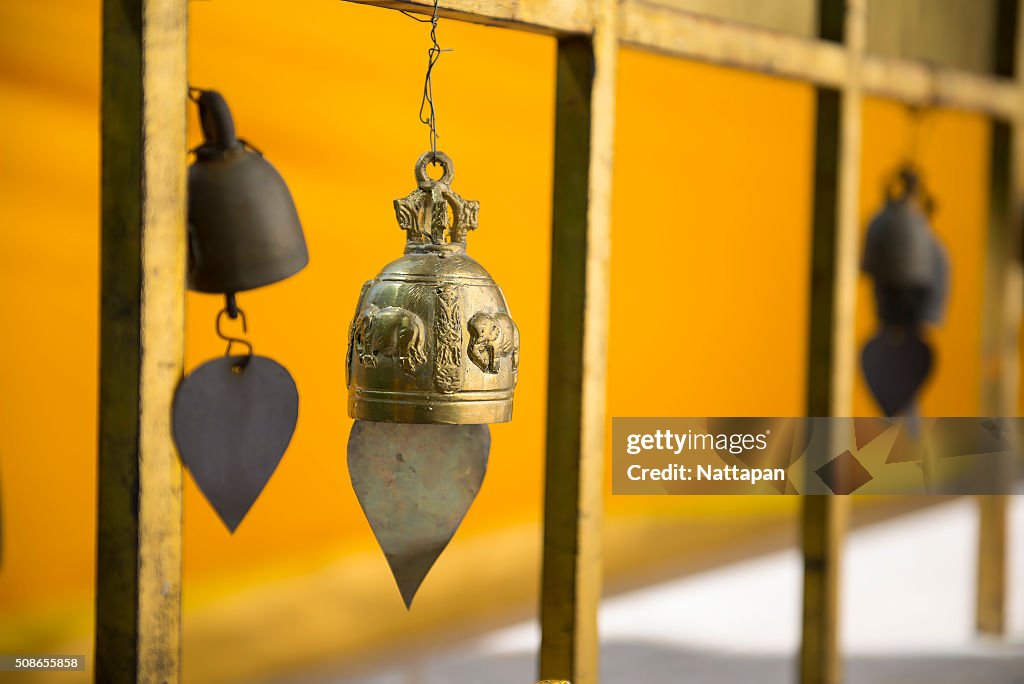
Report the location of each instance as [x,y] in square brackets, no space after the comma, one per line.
[394,332]
[491,337]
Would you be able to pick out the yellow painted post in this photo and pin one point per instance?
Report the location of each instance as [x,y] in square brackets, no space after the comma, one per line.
[581,233]
[1001,314]
[831,352]
[990,600]
[138,572]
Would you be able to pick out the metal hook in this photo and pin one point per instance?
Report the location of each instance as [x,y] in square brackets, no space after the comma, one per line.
[907,181]
[230,339]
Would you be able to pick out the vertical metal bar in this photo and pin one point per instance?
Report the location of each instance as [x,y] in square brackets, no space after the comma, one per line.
[580,248]
[1001,316]
[990,601]
[138,574]
[831,354]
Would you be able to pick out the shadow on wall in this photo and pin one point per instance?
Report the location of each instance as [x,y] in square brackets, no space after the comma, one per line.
[634,661]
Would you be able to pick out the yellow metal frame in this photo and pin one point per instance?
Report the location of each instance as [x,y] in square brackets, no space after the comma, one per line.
[143,269]
[138,562]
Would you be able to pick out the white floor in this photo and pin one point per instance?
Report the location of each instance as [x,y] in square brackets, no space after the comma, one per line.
[907,615]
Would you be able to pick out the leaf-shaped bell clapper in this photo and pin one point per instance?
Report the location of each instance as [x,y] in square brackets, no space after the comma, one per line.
[908,264]
[244,231]
[432,340]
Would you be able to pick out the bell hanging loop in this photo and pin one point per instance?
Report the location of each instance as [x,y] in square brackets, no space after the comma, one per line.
[432,340]
[216,121]
[434,209]
[423,179]
[904,185]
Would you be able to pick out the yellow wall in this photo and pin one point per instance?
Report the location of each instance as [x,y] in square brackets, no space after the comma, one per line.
[329,91]
[49,199]
[711,230]
[711,236]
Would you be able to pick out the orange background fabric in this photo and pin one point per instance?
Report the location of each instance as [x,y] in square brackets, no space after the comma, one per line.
[710,267]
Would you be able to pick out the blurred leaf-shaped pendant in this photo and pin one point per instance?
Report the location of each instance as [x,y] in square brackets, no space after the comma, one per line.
[233,419]
[415,484]
[896,365]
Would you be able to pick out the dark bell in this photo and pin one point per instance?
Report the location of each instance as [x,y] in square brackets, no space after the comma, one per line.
[908,264]
[244,231]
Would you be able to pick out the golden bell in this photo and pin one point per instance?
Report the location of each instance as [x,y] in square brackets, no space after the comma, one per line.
[244,231]
[432,340]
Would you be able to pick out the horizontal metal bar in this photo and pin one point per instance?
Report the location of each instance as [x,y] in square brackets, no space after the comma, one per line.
[660,28]
[924,84]
[559,17]
[678,33]
[650,26]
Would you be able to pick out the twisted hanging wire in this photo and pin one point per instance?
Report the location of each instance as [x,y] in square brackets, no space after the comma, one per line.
[916,114]
[427,113]
[920,119]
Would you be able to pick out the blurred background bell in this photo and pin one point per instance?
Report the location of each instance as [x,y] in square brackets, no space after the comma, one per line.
[244,231]
[908,264]
[910,270]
